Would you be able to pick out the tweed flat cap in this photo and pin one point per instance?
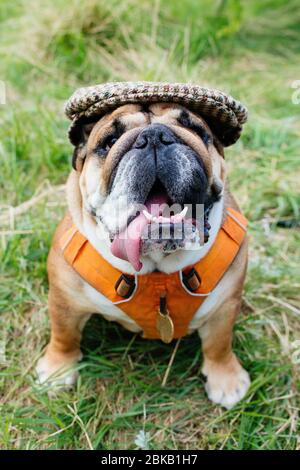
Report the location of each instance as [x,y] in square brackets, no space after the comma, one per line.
[224,114]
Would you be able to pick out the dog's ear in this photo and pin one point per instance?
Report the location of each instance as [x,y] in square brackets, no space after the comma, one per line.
[79,136]
[217,184]
[218,145]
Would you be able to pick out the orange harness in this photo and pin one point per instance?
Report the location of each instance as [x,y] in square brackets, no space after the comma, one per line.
[176,296]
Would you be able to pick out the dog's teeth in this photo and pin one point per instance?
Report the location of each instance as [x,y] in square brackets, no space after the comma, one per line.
[148,216]
[182,214]
[176,218]
[179,217]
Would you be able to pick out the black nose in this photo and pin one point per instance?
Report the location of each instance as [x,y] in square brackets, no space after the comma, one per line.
[155,135]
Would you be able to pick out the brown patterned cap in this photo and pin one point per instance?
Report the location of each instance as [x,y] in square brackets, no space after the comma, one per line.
[224,114]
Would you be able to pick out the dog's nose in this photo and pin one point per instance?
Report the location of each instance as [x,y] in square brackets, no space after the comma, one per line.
[155,135]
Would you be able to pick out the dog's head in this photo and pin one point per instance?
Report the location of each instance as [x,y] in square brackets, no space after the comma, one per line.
[140,166]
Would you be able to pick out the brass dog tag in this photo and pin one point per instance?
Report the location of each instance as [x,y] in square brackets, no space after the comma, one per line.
[164,322]
[165,326]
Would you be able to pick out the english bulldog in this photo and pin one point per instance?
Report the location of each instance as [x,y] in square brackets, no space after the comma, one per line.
[132,158]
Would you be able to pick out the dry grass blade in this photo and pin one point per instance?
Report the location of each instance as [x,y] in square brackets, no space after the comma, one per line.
[164,381]
[12,212]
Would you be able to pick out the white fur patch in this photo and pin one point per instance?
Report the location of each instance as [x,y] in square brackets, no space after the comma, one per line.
[109,311]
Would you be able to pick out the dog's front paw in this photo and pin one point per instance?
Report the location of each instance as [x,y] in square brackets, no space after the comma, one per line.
[226,383]
[58,372]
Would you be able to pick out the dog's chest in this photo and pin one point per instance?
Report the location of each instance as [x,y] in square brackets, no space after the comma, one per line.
[101,305]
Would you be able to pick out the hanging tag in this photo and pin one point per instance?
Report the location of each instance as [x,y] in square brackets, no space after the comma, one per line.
[164,323]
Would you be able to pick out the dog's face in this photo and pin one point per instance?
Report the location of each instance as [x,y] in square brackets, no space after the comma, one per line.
[152,157]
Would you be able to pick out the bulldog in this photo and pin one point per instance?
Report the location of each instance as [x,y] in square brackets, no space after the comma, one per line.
[122,253]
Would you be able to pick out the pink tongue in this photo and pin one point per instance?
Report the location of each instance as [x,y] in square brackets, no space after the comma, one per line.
[127,245]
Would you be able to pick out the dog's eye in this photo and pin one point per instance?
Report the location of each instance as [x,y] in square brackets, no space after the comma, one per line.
[102,148]
[109,142]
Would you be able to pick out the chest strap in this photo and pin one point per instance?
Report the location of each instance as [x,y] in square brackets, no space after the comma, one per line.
[139,296]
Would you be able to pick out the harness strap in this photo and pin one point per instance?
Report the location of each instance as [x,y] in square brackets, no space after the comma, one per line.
[139,295]
[213,266]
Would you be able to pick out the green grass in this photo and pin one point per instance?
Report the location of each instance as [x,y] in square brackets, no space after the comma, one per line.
[250,49]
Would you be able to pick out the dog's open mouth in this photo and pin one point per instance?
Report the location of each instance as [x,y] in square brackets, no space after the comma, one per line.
[161,225]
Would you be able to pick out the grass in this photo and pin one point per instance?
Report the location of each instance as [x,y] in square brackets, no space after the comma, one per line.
[247,48]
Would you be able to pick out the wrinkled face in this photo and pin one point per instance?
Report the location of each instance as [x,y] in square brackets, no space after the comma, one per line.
[147,172]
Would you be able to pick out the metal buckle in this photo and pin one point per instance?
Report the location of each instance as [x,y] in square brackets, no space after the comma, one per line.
[191,280]
[125,286]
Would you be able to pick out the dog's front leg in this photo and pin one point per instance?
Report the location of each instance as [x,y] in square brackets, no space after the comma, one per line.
[63,350]
[227,381]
